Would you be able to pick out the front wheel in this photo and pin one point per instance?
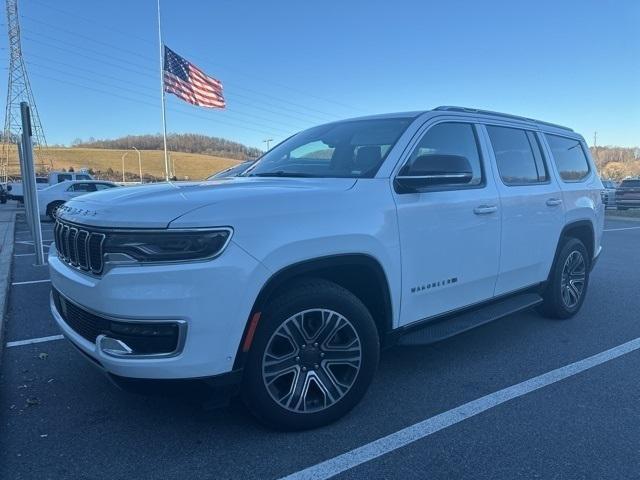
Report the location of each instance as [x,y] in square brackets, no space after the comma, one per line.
[52,209]
[568,281]
[313,357]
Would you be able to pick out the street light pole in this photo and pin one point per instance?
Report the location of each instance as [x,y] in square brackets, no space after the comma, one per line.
[268,142]
[125,154]
[139,163]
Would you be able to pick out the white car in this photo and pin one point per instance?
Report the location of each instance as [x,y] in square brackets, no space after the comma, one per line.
[52,178]
[286,282]
[51,198]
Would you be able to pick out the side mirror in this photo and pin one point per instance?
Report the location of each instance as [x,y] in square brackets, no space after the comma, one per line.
[433,170]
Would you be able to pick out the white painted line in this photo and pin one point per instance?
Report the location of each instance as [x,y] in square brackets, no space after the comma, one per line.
[618,229]
[30,242]
[23,254]
[30,282]
[401,438]
[34,340]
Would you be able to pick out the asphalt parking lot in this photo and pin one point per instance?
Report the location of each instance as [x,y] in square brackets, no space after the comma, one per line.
[61,418]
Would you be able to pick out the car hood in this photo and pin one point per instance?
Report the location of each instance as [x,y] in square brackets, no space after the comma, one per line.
[156,205]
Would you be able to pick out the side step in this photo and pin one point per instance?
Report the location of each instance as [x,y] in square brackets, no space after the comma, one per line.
[450,326]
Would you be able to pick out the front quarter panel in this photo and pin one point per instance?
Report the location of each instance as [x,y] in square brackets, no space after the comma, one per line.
[283,230]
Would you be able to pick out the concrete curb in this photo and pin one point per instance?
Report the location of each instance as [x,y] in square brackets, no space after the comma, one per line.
[7,229]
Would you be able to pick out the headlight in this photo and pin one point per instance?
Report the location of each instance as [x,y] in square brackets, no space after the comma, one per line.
[168,246]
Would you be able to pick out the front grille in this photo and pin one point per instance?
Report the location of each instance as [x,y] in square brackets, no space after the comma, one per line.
[79,246]
[150,338]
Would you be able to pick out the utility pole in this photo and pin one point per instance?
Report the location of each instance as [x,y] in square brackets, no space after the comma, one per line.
[125,154]
[268,142]
[139,163]
[595,144]
[18,90]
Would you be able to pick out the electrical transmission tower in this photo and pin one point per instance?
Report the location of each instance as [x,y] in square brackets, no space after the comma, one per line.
[18,90]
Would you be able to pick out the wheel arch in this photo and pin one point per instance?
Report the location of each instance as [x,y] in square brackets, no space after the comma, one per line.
[361,274]
[582,230]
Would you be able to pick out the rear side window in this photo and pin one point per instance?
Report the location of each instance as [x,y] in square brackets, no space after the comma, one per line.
[518,155]
[569,156]
[82,177]
[450,139]
[63,177]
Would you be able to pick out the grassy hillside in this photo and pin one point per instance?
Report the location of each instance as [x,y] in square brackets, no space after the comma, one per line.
[108,163]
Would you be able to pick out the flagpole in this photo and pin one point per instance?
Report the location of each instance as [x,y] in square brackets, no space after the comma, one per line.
[164,115]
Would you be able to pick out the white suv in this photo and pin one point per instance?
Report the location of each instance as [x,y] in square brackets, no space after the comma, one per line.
[284,283]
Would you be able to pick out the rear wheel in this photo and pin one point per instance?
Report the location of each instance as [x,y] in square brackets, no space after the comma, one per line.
[313,357]
[568,281]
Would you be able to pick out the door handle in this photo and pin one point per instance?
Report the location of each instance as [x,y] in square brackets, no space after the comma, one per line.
[485,209]
[554,202]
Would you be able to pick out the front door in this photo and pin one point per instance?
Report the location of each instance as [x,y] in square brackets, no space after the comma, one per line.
[449,235]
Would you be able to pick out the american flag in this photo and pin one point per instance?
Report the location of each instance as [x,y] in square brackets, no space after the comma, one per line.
[188,82]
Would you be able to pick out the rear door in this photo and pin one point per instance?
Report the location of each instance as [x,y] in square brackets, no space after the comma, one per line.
[531,206]
[449,235]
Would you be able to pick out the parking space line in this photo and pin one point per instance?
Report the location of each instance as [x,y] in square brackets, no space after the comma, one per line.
[420,430]
[31,281]
[30,341]
[30,242]
[618,229]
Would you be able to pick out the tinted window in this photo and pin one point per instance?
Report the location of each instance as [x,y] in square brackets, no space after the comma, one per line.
[630,184]
[569,157]
[63,177]
[83,187]
[42,180]
[81,176]
[103,186]
[449,139]
[518,155]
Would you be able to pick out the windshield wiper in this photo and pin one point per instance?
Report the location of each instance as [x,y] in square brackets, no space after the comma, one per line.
[282,173]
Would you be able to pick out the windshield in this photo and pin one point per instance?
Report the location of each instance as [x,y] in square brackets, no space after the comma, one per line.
[354,149]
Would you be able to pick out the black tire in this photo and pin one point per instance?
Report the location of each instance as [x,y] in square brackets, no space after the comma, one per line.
[560,303]
[305,296]
[52,208]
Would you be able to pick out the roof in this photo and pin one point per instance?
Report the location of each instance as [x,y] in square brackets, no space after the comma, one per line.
[499,115]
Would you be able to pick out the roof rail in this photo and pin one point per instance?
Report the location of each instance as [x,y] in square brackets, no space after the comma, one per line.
[498,114]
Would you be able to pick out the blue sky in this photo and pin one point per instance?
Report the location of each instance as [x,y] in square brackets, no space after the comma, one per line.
[289,65]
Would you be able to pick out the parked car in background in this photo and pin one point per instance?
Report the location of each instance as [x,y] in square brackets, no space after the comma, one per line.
[51,198]
[609,193]
[628,194]
[232,171]
[15,188]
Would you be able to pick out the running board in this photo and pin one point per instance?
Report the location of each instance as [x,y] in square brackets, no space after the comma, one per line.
[445,328]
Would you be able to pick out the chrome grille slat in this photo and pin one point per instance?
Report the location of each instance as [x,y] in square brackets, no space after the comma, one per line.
[79,247]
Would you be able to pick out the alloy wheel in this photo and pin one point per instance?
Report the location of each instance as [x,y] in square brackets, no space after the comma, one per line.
[574,273]
[312,360]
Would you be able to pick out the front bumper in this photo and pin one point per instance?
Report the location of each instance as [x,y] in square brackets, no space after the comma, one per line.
[212,299]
